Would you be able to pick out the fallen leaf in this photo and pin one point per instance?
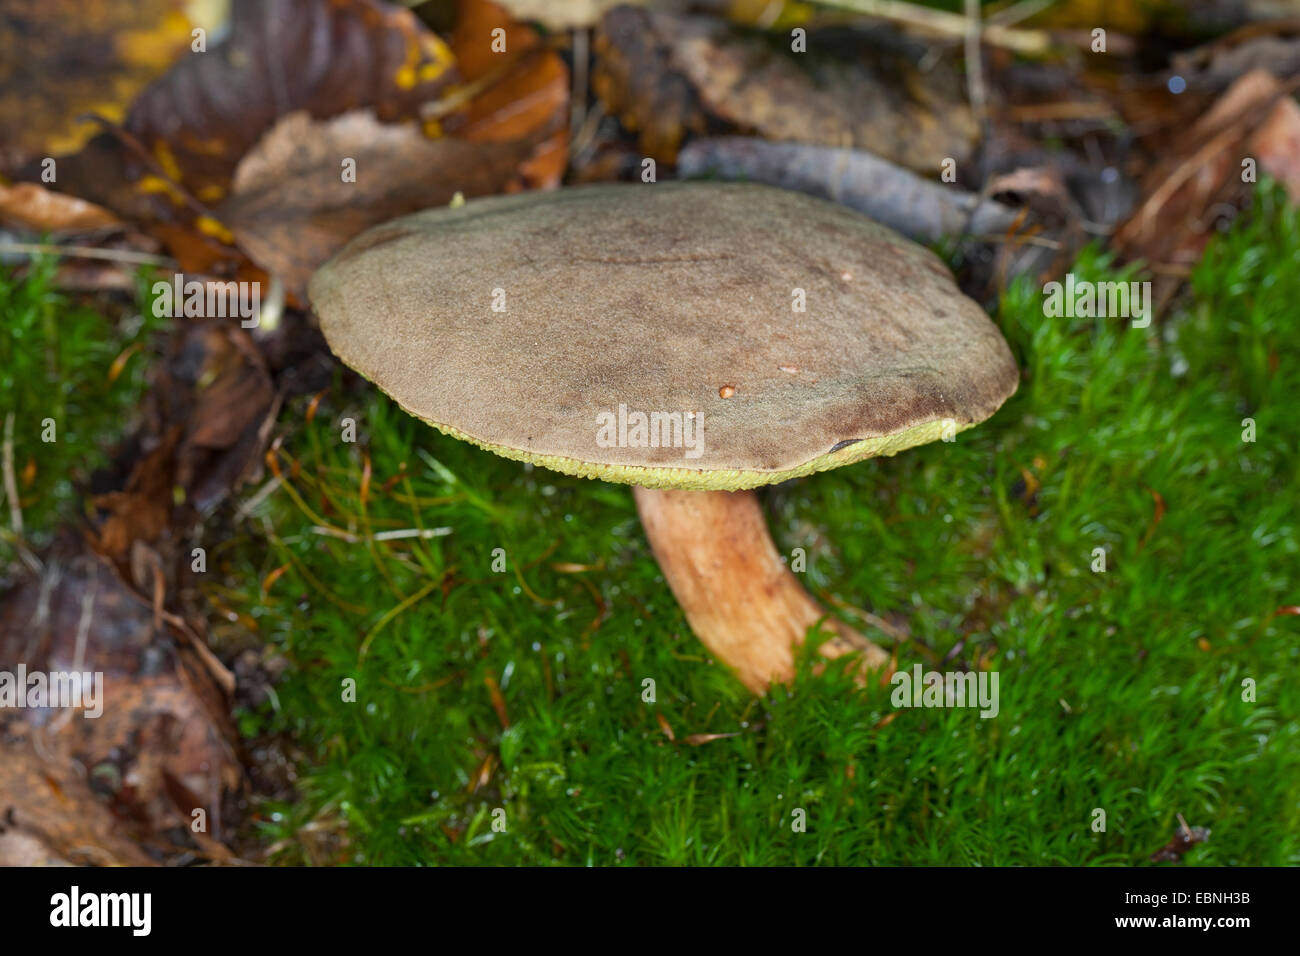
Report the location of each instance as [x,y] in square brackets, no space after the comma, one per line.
[853,94]
[173,158]
[1184,839]
[1156,518]
[1188,195]
[35,207]
[1273,46]
[525,86]
[141,511]
[635,79]
[163,715]
[697,740]
[291,210]
[666,727]
[62,59]
[484,774]
[498,701]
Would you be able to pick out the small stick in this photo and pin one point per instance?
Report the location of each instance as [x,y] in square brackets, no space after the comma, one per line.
[11,485]
[382,535]
[974,64]
[85,252]
[578,106]
[946,24]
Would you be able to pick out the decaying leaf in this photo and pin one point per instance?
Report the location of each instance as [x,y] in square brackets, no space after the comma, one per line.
[315,119]
[699,740]
[62,59]
[185,134]
[1272,45]
[204,437]
[635,79]
[290,210]
[517,83]
[35,207]
[96,791]
[1254,126]
[50,816]
[139,512]
[659,71]
[1184,839]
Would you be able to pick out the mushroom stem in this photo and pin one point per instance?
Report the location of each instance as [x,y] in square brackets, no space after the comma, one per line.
[742,602]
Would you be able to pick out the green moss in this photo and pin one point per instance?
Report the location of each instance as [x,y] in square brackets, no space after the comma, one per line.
[1120,691]
[70,405]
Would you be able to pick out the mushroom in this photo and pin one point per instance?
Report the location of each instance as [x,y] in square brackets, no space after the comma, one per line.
[694,340]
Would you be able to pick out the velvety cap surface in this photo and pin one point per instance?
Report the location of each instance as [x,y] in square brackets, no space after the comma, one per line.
[691,335]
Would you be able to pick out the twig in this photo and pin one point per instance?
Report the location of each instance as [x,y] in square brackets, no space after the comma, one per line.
[1018,11]
[382,535]
[1018,240]
[11,484]
[249,506]
[946,24]
[974,63]
[578,113]
[85,252]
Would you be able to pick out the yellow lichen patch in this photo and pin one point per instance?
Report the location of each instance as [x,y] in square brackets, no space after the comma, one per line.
[438,58]
[149,183]
[167,160]
[211,227]
[211,193]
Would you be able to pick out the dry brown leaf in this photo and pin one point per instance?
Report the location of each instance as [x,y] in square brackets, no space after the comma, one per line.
[141,511]
[848,95]
[83,790]
[291,210]
[697,740]
[61,59]
[173,158]
[666,727]
[1255,119]
[498,701]
[525,94]
[35,207]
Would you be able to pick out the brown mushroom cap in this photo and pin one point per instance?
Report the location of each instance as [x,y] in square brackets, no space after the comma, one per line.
[664,298]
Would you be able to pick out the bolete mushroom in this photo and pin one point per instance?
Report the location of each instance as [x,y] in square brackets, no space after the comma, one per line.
[694,340]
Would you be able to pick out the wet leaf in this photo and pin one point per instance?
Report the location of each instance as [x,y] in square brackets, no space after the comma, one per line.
[1202,184]
[1184,839]
[699,740]
[666,727]
[853,93]
[35,207]
[290,210]
[166,716]
[62,59]
[173,158]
